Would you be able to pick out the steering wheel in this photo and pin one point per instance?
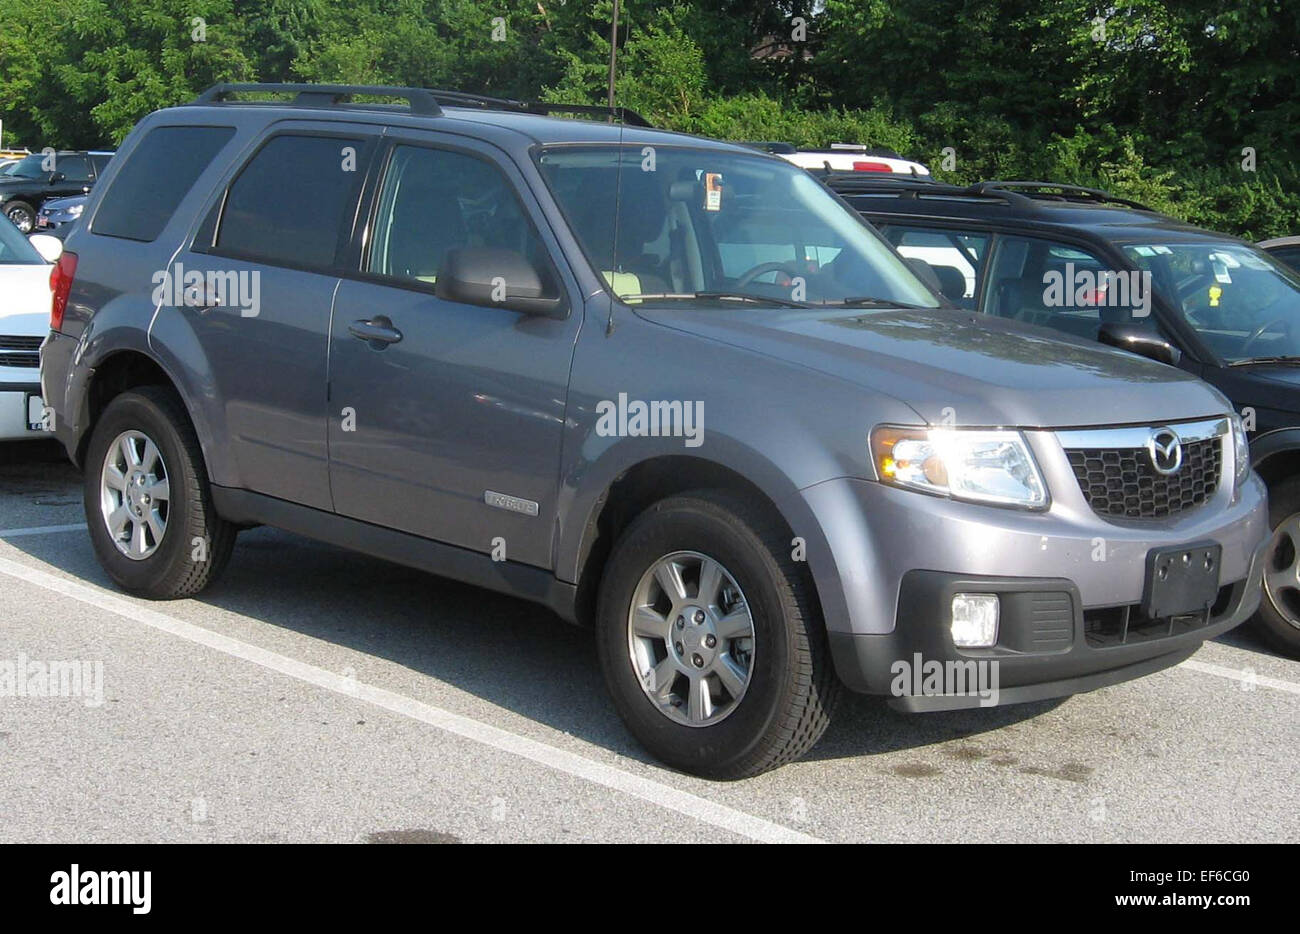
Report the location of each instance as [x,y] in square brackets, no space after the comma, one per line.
[750,275]
[1259,332]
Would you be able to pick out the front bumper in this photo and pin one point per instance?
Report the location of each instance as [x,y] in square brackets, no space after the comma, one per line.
[13,409]
[1048,645]
[887,561]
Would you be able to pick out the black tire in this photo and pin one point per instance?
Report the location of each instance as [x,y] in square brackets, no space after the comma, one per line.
[196,543]
[1271,620]
[22,214]
[793,688]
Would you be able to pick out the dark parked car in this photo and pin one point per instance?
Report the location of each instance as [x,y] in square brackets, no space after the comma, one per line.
[1219,307]
[41,177]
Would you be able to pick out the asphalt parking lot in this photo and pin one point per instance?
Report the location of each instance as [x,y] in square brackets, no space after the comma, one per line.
[316,695]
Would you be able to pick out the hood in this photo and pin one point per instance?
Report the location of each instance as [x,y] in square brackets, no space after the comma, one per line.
[24,300]
[949,365]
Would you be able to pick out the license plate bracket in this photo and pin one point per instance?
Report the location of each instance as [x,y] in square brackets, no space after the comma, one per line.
[35,407]
[1181,581]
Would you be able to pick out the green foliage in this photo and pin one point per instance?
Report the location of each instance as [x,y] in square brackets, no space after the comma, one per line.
[1153,100]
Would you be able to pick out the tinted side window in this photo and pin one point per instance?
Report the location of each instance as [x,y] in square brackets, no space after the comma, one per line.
[74,168]
[957,258]
[293,202]
[434,201]
[156,176]
[1052,284]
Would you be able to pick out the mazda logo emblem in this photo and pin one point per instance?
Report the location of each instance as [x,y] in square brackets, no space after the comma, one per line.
[1166,450]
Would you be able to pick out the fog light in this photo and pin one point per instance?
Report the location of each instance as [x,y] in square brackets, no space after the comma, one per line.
[975,620]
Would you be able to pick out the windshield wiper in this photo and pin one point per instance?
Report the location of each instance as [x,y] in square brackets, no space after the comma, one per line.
[726,296]
[870,301]
[1285,358]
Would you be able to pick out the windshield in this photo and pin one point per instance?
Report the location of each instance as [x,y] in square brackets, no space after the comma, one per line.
[14,248]
[1244,304]
[706,225]
[28,167]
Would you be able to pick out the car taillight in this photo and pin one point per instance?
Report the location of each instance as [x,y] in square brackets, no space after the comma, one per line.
[61,285]
[871,167]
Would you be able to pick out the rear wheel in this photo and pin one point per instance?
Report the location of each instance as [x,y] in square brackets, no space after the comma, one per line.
[1279,611]
[710,638]
[148,503]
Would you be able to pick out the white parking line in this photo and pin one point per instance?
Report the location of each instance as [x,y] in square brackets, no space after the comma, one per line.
[42,530]
[1244,675]
[561,760]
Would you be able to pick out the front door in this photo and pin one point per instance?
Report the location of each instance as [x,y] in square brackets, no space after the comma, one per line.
[446,419]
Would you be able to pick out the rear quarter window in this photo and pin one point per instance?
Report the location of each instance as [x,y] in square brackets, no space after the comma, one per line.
[154,179]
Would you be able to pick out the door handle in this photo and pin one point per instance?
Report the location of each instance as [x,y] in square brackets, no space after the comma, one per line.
[378,332]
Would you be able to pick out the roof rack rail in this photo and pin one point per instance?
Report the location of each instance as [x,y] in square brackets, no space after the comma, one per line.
[424,101]
[913,187]
[324,95]
[1043,189]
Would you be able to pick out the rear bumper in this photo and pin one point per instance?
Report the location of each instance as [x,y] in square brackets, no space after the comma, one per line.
[1049,645]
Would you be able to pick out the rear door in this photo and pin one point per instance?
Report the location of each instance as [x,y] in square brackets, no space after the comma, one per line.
[266,264]
[449,428]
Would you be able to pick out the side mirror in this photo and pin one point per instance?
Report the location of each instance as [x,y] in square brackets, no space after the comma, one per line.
[56,177]
[50,248]
[1143,341]
[496,278]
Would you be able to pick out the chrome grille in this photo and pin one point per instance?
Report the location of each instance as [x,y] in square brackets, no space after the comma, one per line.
[20,351]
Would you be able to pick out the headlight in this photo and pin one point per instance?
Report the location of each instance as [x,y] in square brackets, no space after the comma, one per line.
[1240,450]
[75,210]
[983,466]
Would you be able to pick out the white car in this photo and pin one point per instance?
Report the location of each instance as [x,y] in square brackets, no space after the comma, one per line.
[24,321]
[849,157]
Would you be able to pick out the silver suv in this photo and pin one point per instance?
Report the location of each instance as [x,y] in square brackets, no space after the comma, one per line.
[669,387]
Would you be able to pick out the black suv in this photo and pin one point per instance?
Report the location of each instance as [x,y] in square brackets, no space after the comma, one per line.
[1097,267]
[42,176]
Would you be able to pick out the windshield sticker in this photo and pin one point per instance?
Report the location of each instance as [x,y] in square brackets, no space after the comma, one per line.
[713,191]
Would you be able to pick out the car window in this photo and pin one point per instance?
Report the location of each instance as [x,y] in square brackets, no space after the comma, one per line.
[688,223]
[74,168]
[101,161]
[1288,254]
[159,173]
[957,258]
[293,203]
[1242,302]
[1060,286]
[434,201]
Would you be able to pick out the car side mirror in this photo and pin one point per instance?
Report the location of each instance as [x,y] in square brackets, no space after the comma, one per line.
[495,278]
[1143,341]
[50,248]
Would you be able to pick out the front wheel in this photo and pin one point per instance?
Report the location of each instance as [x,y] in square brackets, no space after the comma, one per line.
[148,503]
[22,214]
[710,638]
[1279,611]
